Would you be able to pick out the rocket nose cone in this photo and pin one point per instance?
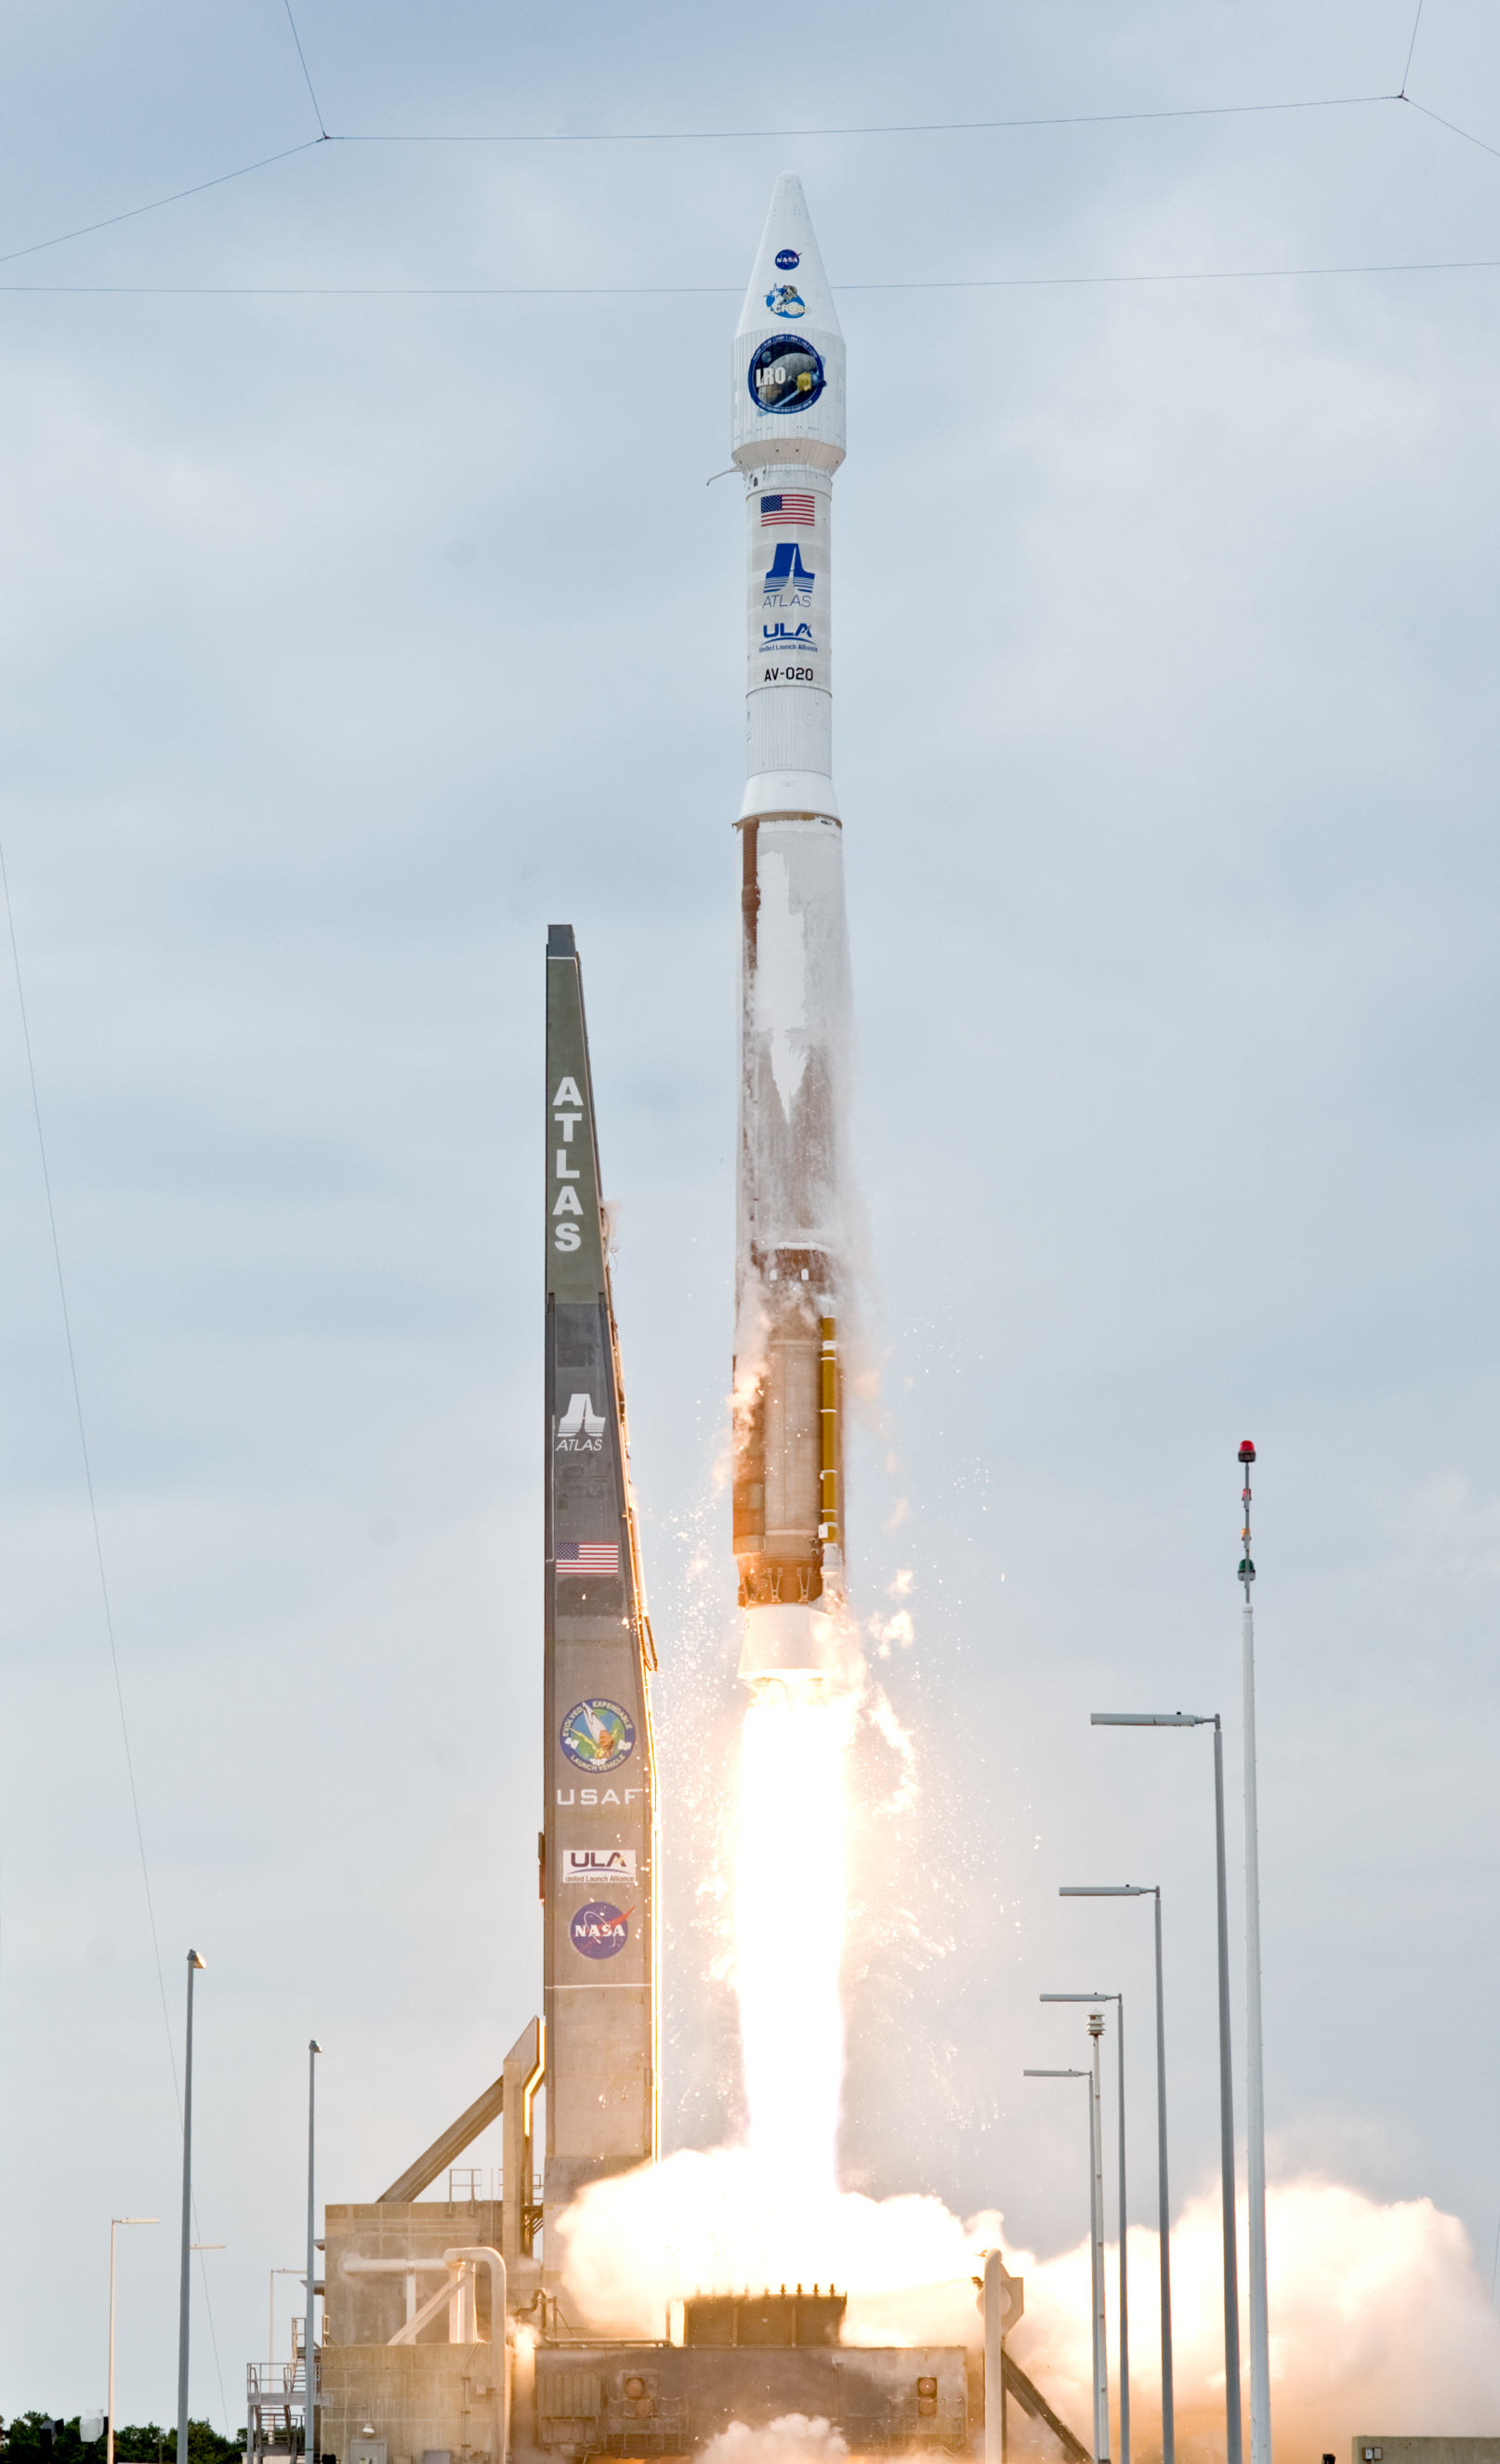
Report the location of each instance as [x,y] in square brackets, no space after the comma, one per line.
[788,283]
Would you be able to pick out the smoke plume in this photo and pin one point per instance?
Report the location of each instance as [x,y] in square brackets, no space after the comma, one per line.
[1379,2319]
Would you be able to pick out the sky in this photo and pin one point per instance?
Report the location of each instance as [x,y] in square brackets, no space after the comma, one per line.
[369,606]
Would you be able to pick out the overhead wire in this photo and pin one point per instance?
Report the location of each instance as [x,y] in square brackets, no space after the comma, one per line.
[98,1560]
[1467,134]
[719,136]
[1410,49]
[306,71]
[221,179]
[872,128]
[717,290]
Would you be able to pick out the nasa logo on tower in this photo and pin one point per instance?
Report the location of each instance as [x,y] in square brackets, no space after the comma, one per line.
[598,1736]
[599,1930]
[784,300]
[786,258]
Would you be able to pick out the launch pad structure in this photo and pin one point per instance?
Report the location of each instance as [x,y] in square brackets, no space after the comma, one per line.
[447,2334]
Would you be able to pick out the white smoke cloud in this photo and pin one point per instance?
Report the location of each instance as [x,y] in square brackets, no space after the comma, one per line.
[1379,2319]
[794,2439]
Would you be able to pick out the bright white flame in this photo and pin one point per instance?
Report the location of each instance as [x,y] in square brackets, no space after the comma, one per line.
[789,1931]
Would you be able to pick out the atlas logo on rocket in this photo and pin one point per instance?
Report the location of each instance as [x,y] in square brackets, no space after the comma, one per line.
[788,584]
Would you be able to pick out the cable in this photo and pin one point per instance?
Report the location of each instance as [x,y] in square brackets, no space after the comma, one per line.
[1467,134]
[302,56]
[714,290]
[1410,47]
[98,1558]
[175,199]
[88,1472]
[876,128]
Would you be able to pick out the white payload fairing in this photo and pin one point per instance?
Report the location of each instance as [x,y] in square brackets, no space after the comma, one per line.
[791,1264]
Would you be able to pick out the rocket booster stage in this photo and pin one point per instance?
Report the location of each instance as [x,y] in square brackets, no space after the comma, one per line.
[791,1269]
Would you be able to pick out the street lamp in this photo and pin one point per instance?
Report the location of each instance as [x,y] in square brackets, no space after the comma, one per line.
[109,2422]
[309,2355]
[194,1963]
[1255,2084]
[1150,1891]
[1119,2046]
[1233,2446]
[1101,2379]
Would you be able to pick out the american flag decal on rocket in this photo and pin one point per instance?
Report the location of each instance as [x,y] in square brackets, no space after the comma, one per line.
[777,513]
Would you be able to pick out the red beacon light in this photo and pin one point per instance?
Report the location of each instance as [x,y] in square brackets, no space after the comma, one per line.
[1247,1451]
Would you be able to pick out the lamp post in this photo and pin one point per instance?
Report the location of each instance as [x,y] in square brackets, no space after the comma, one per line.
[194,1963]
[1119,1999]
[109,2422]
[1255,2084]
[309,2355]
[1233,2445]
[1101,2377]
[1151,1891]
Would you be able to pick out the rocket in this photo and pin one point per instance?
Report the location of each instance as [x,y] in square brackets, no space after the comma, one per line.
[598,1846]
[792,1270]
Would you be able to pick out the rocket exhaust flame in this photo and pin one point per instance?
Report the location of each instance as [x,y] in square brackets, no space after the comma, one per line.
[789,1906]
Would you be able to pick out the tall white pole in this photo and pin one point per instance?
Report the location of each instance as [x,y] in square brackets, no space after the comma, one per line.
[185,2305]
[109,2418]
[309,2356]
[1260,2322]
[1101,2362]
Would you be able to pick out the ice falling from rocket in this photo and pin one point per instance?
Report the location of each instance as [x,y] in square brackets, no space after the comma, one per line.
[791,1264]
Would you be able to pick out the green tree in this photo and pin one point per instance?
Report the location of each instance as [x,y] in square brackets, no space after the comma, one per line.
[144,2442]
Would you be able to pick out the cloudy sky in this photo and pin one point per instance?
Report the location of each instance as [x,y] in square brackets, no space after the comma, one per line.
[366,610]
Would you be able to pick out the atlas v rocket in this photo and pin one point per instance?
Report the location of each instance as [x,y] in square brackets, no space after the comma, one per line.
[599,1845]
[791,1263]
